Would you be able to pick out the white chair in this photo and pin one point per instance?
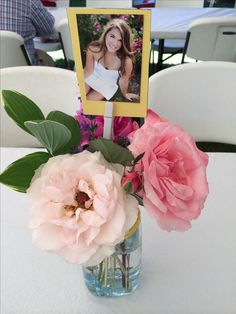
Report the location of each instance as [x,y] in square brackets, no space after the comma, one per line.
[12,50]
[201,97]
[212,39]
[50,88]
[64,34]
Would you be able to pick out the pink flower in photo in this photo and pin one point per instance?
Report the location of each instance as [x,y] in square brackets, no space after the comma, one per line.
[124,17]
[78,208]
[137,45]
[173,170]
[98,26]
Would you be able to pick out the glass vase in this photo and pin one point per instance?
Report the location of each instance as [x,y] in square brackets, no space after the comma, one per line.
[117,274]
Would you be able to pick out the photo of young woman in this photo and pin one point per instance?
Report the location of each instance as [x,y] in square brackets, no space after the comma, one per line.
[110,63]
[111,50]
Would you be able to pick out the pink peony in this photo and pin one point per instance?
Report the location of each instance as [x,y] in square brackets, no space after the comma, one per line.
[174,172]
[78,207]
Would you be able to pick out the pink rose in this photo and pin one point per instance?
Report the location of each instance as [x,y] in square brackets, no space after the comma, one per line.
[123,126]
[132,181]
[78,207]
[174,172]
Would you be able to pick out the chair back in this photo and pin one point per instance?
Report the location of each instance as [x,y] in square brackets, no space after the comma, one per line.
[201,97]
[64,34]
[12,50]
[212,39]
[50,88]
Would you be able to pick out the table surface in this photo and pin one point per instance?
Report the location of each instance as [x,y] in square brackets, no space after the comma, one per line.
[173,23]
[167,22]
[191,272]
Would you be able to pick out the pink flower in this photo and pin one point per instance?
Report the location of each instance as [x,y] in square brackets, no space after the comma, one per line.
[174,172]
[98,26]
[124,17]
[92,127]
[78,207]
[123,126]
[137,45]
[132,181]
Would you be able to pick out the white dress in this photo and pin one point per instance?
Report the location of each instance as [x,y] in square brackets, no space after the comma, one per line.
[103,81]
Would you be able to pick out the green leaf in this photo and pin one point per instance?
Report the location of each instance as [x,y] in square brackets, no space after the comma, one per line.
[111,151]
[71,124]
[51,134]
[128,187]
[19,174]
[139,157]
[138,198]
[20,108]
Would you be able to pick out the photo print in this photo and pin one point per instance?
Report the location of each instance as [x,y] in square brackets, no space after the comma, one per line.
[111,50]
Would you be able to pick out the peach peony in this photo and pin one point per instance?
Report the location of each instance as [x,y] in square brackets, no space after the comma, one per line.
[174,172]
[78,207]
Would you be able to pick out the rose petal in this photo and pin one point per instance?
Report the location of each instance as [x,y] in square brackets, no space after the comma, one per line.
[91,218]
[47,237]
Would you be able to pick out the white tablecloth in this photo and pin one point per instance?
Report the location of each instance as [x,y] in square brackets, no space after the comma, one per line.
[168,22]
[182,273]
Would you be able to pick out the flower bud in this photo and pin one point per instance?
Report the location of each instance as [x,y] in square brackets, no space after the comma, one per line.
[131,182]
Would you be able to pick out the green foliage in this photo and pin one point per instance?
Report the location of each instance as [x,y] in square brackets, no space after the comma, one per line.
[128,187]
[51,134]
[112,152]
[138,158]
[72,125]
[19,174]
[20,108]
[138,198]
[58,133]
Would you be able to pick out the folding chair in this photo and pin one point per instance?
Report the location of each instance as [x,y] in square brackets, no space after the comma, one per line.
[50,88]
[201,97]
[12,50]
[211,39]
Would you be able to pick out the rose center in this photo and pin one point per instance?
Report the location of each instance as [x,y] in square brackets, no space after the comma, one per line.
[82,199]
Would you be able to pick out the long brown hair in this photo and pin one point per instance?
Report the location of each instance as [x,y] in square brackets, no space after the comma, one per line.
[126,36]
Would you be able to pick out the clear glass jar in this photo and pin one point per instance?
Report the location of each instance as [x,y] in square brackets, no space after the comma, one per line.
[117,274]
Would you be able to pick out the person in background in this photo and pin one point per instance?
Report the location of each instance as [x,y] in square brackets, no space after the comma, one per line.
[28,18]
